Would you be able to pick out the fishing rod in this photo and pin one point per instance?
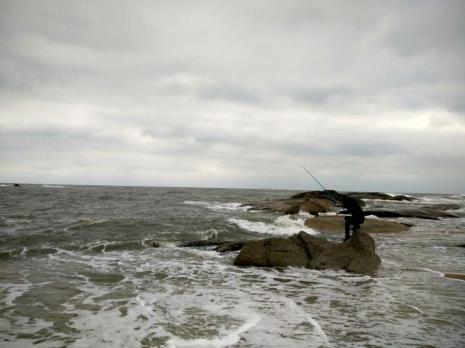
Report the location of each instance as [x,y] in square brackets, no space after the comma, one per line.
[319,183]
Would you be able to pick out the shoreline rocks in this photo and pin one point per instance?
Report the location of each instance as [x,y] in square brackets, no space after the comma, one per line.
[335,224]
[220,246]
[303,250]
[425,212]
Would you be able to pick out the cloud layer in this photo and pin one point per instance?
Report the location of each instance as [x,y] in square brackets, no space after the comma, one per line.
[368,95]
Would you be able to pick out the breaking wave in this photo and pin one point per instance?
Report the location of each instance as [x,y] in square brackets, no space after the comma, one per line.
[283,225]
[219,205]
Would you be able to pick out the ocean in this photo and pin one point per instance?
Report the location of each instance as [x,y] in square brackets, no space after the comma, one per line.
[78,269]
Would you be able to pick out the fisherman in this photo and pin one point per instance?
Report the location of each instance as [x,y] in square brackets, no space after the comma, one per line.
[351,207]
[356,218]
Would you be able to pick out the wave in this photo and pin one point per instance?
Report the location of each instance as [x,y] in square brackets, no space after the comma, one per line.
[219,206]
[53,186]
[84,223]
[225,340]
[283,225]
[26,252]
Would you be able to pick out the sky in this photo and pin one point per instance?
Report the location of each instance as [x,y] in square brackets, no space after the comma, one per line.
[368,95]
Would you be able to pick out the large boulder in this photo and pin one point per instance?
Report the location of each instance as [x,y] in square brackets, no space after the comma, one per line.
[335,224]
[303,250]
[356,255]
[273,252]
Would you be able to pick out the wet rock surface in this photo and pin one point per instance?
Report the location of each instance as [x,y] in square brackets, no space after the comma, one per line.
[335,224]
[303,250]
[220,246]
[426,212]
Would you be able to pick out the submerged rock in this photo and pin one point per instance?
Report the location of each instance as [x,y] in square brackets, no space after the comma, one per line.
[303,250]
[426,212]
[221,246]
[336,224]
[458,276]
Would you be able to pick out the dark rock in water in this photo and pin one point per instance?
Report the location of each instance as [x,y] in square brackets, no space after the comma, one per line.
[230,246]
[379,195]
[293,209]
[426,212]
[335,224]
[294,205]
[151,243]
[201,243]
[221,246]
[356,255]
[329,195]
[303,250]
[273,252]
[461,245]
[16,185]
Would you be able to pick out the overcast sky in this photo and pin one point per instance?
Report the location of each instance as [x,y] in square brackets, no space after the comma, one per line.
[369,95]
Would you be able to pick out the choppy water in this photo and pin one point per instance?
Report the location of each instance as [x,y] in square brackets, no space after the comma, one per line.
[77,270]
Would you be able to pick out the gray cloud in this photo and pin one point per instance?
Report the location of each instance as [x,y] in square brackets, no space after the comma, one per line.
[233,94]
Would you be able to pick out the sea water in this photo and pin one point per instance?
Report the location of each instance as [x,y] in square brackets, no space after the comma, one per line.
[77,269]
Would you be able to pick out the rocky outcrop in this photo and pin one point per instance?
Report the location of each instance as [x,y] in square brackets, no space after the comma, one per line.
[303,250]
[312,202]
[295,205]
[427,212]
[273,252]
[335,224]
[379,195]
[220,246]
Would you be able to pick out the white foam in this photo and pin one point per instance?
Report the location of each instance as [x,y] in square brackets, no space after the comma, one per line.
[222,341]
[283,225]
[374,217]
[312,321]
[432,271]
[219,205]
[53,186]
[4,185]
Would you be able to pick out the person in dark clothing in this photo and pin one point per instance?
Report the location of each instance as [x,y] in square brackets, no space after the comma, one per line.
[356,218]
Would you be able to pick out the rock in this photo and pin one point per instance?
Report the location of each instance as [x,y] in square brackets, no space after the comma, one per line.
[461,245]
[201,243]
[356,255]
[221,246]
[457,276]
[151,243]
[230,246]
[328,195]
[293,209]
[379,195]
[16,185]
[295,205]
[426,212]
[273,252]
[336,224]
[316,205]
[303,250]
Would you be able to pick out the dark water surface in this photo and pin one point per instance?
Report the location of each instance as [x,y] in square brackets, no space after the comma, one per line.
[77,269]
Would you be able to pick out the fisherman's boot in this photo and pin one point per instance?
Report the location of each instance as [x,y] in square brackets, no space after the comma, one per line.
[347,230]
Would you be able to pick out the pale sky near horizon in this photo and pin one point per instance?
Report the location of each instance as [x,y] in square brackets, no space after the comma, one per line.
[368,95]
